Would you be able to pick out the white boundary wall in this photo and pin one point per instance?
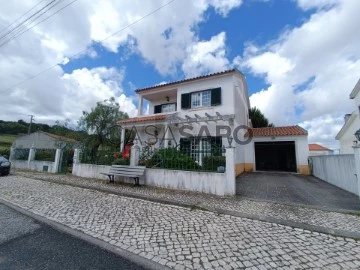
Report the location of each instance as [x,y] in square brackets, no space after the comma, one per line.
[338,170]
[207,182]
[34,165]
[90,170]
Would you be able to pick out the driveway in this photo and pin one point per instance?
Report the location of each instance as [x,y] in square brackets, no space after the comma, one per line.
[290,188]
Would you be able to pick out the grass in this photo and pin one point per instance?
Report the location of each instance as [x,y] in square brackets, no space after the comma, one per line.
[6,138]
[6,141]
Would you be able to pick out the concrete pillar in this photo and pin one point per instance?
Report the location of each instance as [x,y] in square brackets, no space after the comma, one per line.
[166,136]
[12,153]
[134,156]
[122,139]
[140,105]
[357,165]
[31,156]
[230,171]
[76,158]
[57,162]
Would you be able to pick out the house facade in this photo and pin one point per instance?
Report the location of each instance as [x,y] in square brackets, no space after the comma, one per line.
[346,135]
[319,150]
[201,115]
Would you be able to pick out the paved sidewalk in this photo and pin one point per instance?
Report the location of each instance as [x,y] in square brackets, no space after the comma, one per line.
[296,216]
[179,237]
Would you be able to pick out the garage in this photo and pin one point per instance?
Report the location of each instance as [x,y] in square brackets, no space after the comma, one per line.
[275,156]
[283,149]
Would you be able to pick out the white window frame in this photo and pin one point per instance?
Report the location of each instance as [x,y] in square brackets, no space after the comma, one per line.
[199,98]
[168,105]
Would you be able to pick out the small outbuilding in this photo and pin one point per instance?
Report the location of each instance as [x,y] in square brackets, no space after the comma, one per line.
[42,140]
[319,150]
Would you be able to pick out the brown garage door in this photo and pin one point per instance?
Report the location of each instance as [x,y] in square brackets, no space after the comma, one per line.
[275,156]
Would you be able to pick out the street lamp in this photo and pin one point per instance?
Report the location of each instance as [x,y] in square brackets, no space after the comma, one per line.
[357,134]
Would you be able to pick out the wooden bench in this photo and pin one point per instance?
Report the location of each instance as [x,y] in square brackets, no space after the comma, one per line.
[124,170]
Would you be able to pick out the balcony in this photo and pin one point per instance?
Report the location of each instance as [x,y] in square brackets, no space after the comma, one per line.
[159,101]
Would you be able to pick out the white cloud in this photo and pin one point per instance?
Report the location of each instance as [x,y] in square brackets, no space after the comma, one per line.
[279,65]
[311,70]
[323,128]
[309,4]
[86,87]
[206,56]
[162,39]
[224,7]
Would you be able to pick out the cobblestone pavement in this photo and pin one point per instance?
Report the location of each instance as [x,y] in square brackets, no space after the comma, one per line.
[179,237]
[350,224]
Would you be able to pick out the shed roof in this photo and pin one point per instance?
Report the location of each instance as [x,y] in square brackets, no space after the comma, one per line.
[278,131]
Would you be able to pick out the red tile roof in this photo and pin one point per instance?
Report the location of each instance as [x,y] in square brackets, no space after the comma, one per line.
[188,80]
[278,131]
[60,138]
[156,117]
[317,147]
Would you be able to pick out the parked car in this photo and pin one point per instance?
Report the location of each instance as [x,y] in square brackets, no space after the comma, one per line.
[4,166]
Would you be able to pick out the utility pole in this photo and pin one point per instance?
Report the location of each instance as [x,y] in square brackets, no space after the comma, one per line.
[31,119]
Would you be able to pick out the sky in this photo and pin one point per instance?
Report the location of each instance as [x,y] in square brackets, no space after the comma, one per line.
[300,57]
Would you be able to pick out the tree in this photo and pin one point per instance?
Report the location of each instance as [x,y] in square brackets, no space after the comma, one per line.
[101,123]
[258,119]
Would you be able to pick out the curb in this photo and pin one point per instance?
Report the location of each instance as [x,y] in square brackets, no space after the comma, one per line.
[141,261]
[293,224]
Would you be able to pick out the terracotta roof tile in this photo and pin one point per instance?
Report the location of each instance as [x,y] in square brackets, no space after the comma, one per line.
[187,80]
[156,117]
[317,147]
[278,131]
[60,138]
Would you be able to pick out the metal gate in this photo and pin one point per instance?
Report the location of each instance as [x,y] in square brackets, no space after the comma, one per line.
[66,160]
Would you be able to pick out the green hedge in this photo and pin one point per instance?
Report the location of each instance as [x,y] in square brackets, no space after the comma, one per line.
[121,161]
[170,158]
[211,163]
[45,154]
[5,151]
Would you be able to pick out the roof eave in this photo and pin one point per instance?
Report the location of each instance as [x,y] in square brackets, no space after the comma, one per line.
[345,126]
[187,81]
[356,90]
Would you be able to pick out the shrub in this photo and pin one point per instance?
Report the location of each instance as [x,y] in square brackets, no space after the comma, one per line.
[211,163]
[45,154]
[21,154]
[121,161]
[5,151]
[171,158]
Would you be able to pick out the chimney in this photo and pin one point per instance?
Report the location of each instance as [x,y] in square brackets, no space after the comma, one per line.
[346,117]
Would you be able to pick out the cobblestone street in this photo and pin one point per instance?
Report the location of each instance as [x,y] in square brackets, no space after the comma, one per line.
[179,237]
[297,215]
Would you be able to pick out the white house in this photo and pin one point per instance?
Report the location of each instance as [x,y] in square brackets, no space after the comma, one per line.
[203,114]
[351,125]
[319,150]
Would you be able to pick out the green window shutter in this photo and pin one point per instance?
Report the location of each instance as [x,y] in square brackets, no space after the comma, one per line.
[216,96]
[185,146]
[186,101]
[157,109]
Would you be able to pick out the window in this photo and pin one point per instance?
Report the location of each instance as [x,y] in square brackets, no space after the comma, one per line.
[199,147]
[201,99]
[210,97]
[162,108]
[168,107]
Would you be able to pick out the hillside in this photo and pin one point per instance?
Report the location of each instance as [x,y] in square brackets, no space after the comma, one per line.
[9,130]
[6,141]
